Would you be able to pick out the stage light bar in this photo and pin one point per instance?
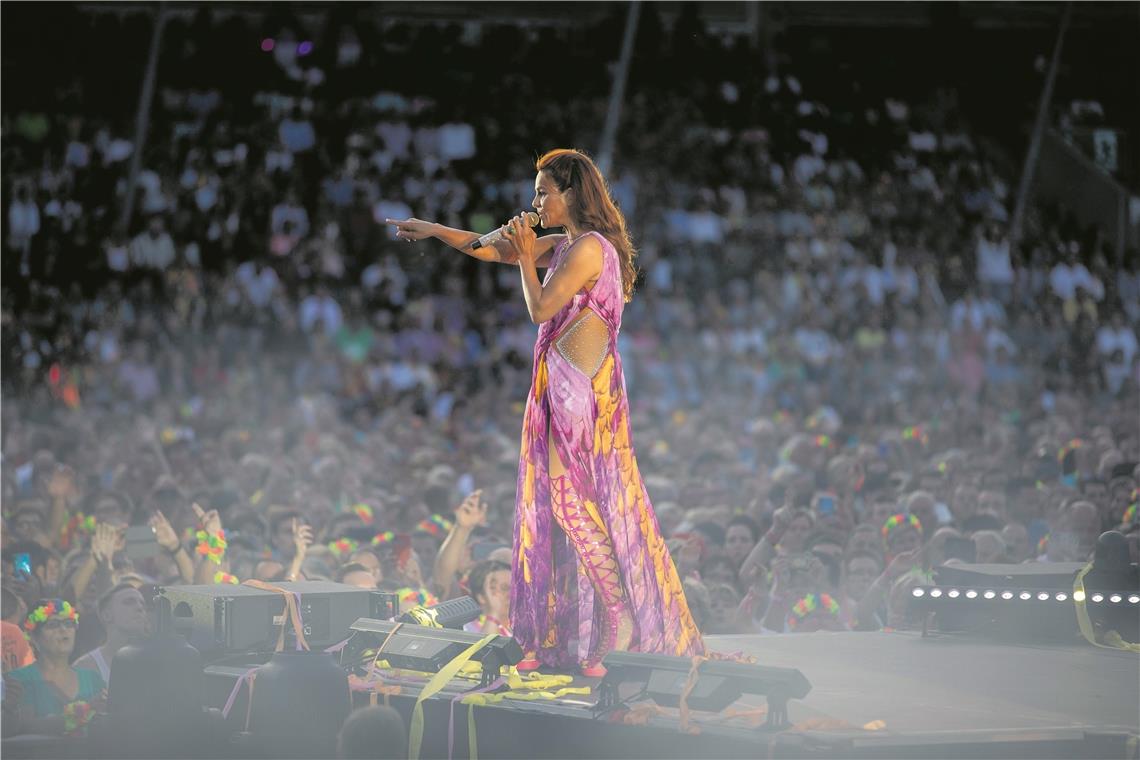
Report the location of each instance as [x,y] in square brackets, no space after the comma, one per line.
[719,682]
[419,647]
[945,595]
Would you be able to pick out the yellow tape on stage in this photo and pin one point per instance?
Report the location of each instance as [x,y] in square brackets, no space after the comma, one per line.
[437,682]
[1112,639]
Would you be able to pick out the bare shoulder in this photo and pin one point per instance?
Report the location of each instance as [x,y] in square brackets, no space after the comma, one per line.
[587,247]
[549,242]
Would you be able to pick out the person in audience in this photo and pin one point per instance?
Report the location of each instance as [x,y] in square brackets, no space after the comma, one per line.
[489,583]
[373,732]
[122,611]
[55,697]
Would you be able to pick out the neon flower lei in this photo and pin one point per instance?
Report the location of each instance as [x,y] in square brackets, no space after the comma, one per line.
[383,538]
[436,525]
[895,521]
[57,609]
[419,596]
[80,523]
[342,547]
[915,433]
[1130,513]
[364,512]
[1067,449]
[810,604]
[224,577]
[76,715]
[822,441]
[212,545]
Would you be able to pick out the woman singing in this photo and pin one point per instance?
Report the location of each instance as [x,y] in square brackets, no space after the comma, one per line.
[604,580]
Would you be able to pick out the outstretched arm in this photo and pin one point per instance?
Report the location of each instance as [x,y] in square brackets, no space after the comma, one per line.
[461,240]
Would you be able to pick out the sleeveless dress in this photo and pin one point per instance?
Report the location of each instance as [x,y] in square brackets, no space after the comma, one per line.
[553,610]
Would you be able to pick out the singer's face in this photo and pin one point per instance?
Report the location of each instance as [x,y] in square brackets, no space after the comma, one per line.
[549,202]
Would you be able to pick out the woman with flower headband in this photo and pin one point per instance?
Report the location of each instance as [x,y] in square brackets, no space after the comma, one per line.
[590,570]
[56,698]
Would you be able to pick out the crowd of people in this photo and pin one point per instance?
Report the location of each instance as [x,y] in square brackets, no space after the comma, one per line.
[841,373]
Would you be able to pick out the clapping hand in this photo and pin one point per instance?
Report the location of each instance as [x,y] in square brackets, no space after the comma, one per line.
[210,521]
[164,532]
[105,542]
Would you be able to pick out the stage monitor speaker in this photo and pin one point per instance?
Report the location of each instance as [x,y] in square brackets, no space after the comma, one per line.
[719,682]
[419,647]
[1035,575]
[1030,602]
[223,620]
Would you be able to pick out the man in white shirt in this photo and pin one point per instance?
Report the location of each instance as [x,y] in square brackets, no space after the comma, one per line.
[1071,274]
[1117,336]
[994,266]
[259,281]
[290,210]
[153,248]
[23,224]
[974,312]
[322,307]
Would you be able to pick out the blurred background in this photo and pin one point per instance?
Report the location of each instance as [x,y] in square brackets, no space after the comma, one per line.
[855,301]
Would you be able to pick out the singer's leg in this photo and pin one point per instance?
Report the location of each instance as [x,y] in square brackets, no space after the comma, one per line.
[592,544]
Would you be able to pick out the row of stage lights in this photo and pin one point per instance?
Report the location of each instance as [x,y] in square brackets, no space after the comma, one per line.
[1043,596]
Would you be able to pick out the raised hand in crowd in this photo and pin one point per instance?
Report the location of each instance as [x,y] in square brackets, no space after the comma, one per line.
[302,539]
[99,564]
[765,549]
[63,493]
[211,522]
[871,604]
[167,539]
[472,512]
[454,555]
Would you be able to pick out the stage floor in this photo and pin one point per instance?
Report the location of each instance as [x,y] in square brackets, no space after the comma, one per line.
[874,695]
[950,683]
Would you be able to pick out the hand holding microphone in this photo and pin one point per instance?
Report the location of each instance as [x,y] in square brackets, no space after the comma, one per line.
[522,222]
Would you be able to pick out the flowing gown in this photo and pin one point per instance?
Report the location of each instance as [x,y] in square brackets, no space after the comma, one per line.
[553,611]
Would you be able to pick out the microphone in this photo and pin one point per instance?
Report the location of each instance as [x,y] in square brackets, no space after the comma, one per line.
[495,236]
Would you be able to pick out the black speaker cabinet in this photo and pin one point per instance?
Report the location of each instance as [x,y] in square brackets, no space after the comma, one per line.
[221,620]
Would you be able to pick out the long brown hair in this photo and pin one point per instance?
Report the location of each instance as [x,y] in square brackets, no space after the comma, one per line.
[593,207]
